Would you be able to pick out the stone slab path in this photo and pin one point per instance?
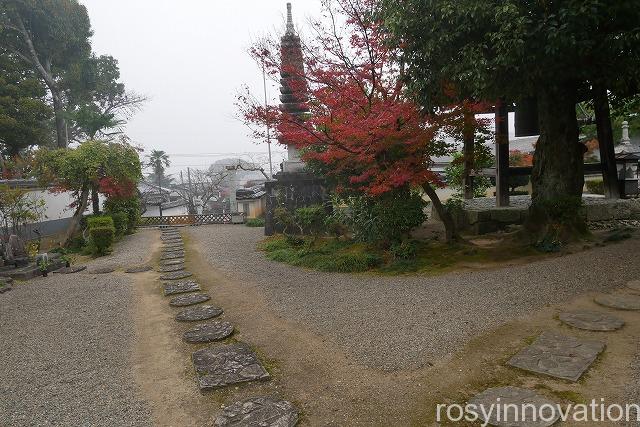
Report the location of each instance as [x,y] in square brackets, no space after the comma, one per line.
[167,262]
[224,365]
[558,356]
[196,314]
[176,275]
[619,301]
[591,320]
[259,412]
[208,332]
[171,268]
[180,287]
[515,396]
[189,299]
[173,255]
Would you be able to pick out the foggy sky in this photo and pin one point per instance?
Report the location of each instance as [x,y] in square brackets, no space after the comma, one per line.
[190,57]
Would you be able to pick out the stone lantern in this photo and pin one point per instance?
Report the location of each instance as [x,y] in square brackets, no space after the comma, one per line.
[627,167]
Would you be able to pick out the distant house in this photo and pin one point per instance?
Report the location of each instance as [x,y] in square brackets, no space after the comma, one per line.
[176,207]
[252,201]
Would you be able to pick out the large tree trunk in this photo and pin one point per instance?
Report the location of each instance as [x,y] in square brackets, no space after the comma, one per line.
[605,141]
[95,201]
[75,220]
[558,167]
[61,124]
[468,152]
[451,233]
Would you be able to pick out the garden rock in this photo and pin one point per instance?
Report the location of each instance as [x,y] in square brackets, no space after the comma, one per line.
[196,314]
[259,412]
[208,332]
[591,320]
[558,356]
[191,299]
[220,366]
[176,275]
[504,396]
[180,287]
[71,270]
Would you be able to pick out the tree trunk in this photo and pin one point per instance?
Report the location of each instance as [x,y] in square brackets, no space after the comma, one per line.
[95,201]
[61,124]
[75,220]
[558,166]
[451,234]
[605,141]
[468,152]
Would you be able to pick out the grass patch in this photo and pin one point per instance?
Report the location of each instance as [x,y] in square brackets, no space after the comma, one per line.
[346,256]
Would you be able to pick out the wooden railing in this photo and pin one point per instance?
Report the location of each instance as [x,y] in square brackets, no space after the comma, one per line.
[155,221]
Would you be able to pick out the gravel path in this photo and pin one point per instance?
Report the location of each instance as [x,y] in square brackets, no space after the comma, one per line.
[66,347]
[403,322]
[132,250]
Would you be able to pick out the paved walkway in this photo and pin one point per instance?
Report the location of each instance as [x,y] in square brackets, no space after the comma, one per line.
[404,322]
[66,347]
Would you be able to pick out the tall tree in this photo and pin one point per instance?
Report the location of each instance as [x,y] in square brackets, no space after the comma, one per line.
[24,113]
[49,35]
[484,49]
[367,135]
[158,161]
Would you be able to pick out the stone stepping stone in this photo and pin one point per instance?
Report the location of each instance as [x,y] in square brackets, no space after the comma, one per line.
[174,242]
[167,262]
[619,301]
[173,250]
[223,365]
[634,285]
[591,320]
[558,356]
[180,287]
[199,313]
[208,332]
[504,396]
[71,270]
[259,411]
[189,299]
[171,238]
[104,270]
[172,255]
[176,275]
[171,268]
[173,246]
[139,269]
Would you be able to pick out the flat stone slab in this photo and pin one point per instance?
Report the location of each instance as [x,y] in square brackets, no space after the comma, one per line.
[71,270]
[168,262]
[223,365]
[173,255]
[634,285]
[171,268]
[504,396]
[619,301]
[104,270]
[173,246]
[558,356]
[176,275]
[189,299]
[208,332]
[591,320]
[259,412]
[173,250]
[138,269]
[196,314]
[180,287]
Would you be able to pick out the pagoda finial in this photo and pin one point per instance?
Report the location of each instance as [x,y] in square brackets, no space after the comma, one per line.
[290,28]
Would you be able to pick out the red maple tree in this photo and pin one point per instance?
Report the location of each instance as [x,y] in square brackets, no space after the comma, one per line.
[361,123]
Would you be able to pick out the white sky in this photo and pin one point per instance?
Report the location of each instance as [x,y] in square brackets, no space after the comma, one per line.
[190,57]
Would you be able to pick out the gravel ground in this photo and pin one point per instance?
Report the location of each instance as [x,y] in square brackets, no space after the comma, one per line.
[403,322]
[66,348]
[131,251]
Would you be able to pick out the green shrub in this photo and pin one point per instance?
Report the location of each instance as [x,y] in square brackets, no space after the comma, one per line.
[311,219]
[131,207]
[404,250]
[96,221]
[255,222]
[595,186]
[102,238]
[120,222]
[349,262]
[286,221]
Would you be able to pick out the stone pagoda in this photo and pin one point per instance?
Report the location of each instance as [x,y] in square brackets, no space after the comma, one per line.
[293,87]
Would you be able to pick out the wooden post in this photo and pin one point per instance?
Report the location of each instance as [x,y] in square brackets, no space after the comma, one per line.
[502,153]
[468,153]
[605,142]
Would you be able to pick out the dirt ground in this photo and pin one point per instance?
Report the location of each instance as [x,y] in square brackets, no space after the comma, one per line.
[330,388]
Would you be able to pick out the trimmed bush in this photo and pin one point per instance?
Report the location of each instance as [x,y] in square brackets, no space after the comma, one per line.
[99,221]
[255,222]
[120,222]
[131,207]
[595,186]
[102,238]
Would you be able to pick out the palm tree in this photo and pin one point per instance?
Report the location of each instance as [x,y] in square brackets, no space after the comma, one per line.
[158,160]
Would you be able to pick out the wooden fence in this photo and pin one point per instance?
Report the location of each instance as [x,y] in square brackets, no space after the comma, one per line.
[227,218]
